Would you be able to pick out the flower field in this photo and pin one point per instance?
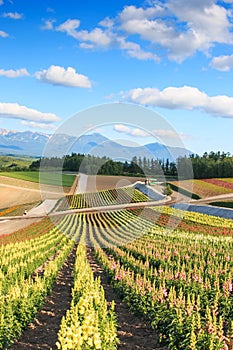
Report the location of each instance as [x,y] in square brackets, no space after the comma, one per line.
[172,267]
[225,183]
[122,195]
[206,187]
[186,294]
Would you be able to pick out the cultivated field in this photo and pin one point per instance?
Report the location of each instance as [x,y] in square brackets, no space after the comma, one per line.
[18,188]
[102,182]
[206,187]
[173,269]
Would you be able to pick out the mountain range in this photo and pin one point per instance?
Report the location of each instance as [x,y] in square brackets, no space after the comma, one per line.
[30,143]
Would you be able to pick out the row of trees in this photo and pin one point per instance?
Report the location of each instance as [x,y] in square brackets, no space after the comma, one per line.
[105,166]
[210,165]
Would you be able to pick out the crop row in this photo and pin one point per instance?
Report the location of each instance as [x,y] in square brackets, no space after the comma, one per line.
[196,218]
[88,324]
[28,271]
[220,182]
[182,282]
[186,294]
[122,195]
[202,188]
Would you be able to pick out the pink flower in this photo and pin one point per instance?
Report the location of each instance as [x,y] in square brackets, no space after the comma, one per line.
[210,329]
[118,278]
[114,266]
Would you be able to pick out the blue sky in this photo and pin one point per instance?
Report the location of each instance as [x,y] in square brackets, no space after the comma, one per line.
[173,57]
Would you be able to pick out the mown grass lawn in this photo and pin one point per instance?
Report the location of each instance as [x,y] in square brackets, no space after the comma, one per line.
[48,178]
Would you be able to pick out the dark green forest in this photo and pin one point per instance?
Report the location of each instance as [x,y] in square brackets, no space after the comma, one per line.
[89,164]
[209,165]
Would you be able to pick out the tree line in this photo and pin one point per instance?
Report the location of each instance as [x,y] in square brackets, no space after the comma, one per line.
[89,164]
[209,165]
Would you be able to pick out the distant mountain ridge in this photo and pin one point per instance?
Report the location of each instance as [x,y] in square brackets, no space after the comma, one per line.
[33,144]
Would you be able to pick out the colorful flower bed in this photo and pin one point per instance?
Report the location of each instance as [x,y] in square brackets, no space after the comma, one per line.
[32,231]
[203,188]
[172,267]
[22,289]
[9,210]
[220,183]
[122,195]
[181,282]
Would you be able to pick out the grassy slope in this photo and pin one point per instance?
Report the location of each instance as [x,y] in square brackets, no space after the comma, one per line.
[7,161]
[46,178]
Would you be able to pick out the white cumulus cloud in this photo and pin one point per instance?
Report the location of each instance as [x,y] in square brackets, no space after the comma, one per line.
[186,98]
[16,111]
[57,75]
[222,63]
[106,38]
[12,15]
[3,34]
[171,134]
[35,125]
[174,28]
[195,26]
[122,128]
[11,73]
[96,37]
[48,24]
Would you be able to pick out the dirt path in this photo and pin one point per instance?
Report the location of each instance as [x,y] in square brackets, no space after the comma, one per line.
[9,226]
[42,333]
[133,332]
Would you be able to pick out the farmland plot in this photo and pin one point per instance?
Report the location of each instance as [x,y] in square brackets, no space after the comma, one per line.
[171,267]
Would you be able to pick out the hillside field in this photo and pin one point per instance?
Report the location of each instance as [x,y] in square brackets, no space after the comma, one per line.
[183,295]
[207,187]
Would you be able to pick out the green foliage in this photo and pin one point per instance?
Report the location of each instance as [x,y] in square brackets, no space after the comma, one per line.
[91,165]
[167,191]
[14,163]
[210,165]
[222,204]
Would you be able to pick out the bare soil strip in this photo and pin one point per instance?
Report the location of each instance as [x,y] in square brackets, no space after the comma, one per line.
[133,332]
[42,333]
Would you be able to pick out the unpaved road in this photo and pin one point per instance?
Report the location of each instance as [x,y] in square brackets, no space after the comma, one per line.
[9,226]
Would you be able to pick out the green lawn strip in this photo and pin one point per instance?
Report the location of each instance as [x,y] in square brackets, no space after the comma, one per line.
[222,204]
[49,178]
